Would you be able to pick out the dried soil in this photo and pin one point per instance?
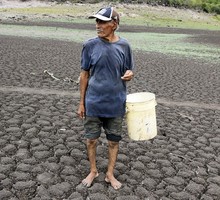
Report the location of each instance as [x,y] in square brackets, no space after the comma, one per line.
[43,154]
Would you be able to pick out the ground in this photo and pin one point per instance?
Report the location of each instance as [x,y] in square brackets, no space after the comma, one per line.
[43,154]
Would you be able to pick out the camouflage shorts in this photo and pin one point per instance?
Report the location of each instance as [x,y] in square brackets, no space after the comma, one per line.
[112,127]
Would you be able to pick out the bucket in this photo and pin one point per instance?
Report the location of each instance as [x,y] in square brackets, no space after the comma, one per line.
[141,116]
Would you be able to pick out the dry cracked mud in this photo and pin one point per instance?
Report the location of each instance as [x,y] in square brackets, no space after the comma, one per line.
[43,155]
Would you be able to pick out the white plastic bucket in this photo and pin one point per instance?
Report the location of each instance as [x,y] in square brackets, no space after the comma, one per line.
[141,116]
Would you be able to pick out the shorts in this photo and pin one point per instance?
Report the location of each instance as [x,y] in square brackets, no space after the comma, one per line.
[112,127]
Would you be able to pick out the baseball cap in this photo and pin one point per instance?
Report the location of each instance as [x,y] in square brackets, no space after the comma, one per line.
[106,14]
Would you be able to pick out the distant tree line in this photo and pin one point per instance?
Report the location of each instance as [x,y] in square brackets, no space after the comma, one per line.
[209,6]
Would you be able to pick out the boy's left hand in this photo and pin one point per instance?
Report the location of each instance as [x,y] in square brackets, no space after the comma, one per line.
[128,75]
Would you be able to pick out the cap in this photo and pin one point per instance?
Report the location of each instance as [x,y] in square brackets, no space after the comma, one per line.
[106,14]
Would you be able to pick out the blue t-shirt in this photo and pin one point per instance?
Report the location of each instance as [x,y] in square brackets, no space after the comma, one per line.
[107,63]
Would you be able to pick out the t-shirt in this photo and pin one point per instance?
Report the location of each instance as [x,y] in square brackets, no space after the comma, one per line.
[107,63]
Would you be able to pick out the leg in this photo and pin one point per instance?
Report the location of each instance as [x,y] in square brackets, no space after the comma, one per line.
[113,152]
[91,149]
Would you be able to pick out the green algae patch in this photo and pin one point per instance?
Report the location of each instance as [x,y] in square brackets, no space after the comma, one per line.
[174,44]
[57,33]
[171,44]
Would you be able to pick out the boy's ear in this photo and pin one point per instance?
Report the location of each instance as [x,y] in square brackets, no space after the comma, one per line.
[115,24]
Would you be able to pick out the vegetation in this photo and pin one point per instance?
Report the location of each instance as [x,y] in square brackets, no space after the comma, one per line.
[131,14]
[209,6]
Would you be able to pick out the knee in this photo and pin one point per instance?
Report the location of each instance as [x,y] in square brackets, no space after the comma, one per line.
[113,144]
[91,142]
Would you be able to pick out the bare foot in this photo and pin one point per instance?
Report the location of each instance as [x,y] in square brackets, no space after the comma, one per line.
[114,182]
[89,179]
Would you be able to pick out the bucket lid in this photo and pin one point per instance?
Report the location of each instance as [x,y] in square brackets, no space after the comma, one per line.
[140,97]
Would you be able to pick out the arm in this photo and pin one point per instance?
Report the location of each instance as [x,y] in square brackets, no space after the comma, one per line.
[128,65]
[84,78]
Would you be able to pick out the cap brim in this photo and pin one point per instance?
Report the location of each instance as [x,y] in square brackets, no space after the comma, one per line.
[103,18]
